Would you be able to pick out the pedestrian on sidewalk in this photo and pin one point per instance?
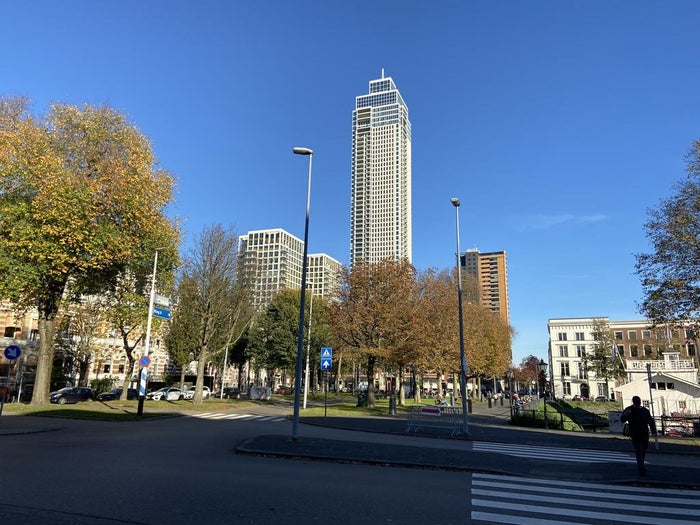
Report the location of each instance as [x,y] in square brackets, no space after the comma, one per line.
[639,422]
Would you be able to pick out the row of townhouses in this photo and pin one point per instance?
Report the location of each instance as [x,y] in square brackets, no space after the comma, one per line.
[660,363]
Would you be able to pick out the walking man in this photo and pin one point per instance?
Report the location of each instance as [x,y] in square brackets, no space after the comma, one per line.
[640,422]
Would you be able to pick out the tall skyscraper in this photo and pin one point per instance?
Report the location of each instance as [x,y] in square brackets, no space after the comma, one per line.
[380,210]
[491,275]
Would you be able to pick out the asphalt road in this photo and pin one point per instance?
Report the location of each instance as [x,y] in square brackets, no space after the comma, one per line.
[185,471]
[234,468]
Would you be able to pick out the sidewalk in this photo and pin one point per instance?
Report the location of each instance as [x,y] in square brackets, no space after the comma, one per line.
[385,441]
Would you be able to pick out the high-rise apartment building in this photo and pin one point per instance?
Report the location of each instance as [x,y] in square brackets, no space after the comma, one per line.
[491,275]
[380,214]
[271,260]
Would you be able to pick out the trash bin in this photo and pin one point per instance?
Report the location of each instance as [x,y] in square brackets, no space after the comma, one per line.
[361,400]
[392,405]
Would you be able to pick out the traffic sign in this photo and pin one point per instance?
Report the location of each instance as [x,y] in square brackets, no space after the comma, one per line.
[161,300]
[326,352]
[12,352]
[326,363]
[163,313]
[145,361]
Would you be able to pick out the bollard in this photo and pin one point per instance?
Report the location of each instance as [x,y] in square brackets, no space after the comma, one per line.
[469,406]
[501,401]
[392,405]
[490,401]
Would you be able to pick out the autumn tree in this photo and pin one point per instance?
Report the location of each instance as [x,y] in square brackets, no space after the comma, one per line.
[528,371]
[600,358]
[219,306]
[439,326]
[670,274]
[81,199]
[374,311]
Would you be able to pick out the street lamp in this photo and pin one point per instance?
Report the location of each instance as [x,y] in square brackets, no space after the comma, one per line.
[462,357]
[509,373]
[300,333]
[542,366]
[147,346]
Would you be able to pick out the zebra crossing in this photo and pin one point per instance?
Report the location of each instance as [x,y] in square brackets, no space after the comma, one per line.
[554,453]
[517,500]
[218,416]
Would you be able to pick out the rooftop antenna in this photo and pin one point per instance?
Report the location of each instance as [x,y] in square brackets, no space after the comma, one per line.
[382,72]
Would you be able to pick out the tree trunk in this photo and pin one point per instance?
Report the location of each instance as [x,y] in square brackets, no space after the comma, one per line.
[338,374]
[201,365]
[131,365]
[370,381]
[44,365]
[402,391]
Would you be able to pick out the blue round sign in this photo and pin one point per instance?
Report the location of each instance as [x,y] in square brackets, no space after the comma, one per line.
[12,352]
[145,361]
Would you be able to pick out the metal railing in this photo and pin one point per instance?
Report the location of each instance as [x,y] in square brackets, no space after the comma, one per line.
[434,417]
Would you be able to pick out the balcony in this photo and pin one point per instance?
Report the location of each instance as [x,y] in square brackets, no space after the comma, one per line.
[660,366]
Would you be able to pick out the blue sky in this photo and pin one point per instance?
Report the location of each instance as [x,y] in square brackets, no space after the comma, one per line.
[557,124]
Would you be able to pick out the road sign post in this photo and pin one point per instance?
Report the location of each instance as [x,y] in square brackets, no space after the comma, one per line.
[326,365]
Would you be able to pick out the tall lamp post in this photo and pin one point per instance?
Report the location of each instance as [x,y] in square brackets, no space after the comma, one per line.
[144,370]
[300,333]
[462,357]
[542,366]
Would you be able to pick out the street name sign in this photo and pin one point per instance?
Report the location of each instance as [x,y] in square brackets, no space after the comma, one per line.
[163,313]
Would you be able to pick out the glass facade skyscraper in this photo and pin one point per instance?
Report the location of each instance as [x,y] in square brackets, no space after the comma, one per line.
[380,210]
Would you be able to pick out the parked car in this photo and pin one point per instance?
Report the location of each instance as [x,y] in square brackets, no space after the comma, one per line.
[189,392]
[284,390]
[231,392]
[72,395]
[601,399]
[116,393]
[167,393]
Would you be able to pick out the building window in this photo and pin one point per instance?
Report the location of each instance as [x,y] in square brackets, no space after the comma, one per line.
[632,336]
[580,350]
[646,334]
[579,336]
[634,350]
[10,331]
[691,350]
[618,336]
[682,406]
[563,351]
[564,368]
[602,389]
[621,350]
[670,386]
[562,337]
[106,369]
[567,388]
[647,350]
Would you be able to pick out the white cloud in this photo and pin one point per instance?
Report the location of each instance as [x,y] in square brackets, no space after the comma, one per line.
[545,222]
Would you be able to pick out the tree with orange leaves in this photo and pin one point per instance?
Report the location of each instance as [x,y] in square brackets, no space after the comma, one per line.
[82,201]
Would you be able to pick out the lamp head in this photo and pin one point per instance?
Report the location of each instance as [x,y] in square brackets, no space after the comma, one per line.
[455,202]
[542,366]
[303,151]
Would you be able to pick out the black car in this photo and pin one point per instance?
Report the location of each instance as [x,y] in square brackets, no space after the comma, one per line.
[116,393]
[72,395]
